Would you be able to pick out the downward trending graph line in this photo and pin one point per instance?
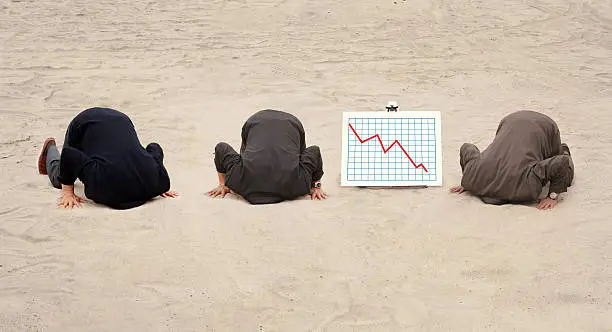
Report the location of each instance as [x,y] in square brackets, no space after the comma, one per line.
[385,150]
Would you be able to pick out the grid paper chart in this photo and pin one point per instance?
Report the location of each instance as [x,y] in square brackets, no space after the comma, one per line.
[391,149]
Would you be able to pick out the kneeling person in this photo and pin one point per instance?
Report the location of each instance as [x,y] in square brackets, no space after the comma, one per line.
[525,155]
[102,150]
[274,163]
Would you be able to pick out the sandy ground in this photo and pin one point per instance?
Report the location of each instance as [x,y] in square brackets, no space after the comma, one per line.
[190,72]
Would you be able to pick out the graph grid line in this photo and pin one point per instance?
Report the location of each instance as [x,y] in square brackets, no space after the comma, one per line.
[391,149]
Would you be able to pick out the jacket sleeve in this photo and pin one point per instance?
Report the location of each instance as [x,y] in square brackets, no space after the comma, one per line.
[312,162]
[556,170]
[72,162]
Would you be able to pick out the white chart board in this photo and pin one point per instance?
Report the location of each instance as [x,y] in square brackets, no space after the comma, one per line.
[391,149]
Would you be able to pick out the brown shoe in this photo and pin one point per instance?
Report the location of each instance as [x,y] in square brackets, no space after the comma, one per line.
[42,159]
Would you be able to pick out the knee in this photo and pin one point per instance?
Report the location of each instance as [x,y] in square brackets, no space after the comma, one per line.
[467,153]
[467,146]
[154,147]
[155,150]
[220,150]
[221,147]
[315,148]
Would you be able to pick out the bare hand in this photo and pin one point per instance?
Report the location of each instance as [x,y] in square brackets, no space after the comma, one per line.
[220,190]
[547,204]
[70,200]
[317,193]
[169,194]
[457,189]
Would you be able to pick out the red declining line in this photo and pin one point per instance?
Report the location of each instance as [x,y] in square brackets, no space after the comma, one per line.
[389,148]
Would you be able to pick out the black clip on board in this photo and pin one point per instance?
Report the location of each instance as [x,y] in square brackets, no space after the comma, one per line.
[392,106]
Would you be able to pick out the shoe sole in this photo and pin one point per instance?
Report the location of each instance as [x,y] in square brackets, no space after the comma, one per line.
[42,159]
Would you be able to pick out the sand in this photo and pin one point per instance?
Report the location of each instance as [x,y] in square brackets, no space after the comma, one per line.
[190,72]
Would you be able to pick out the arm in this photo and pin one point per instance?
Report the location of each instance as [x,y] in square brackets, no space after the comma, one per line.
[156,151]
[558,172]
[221,189]
[457,189]
[313,164]
[225,158]
[74,132]
[221,179]
[72,161]
[68,199]
[555,170]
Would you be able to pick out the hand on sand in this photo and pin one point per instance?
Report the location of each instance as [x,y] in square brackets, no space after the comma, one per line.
[170,194]
[547,204]
[317,193]
[457,189]
[70,200]
[221,190]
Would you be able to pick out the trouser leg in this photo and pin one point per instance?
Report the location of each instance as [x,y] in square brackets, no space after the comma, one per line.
[53,165]
[225,157]
[570,174]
